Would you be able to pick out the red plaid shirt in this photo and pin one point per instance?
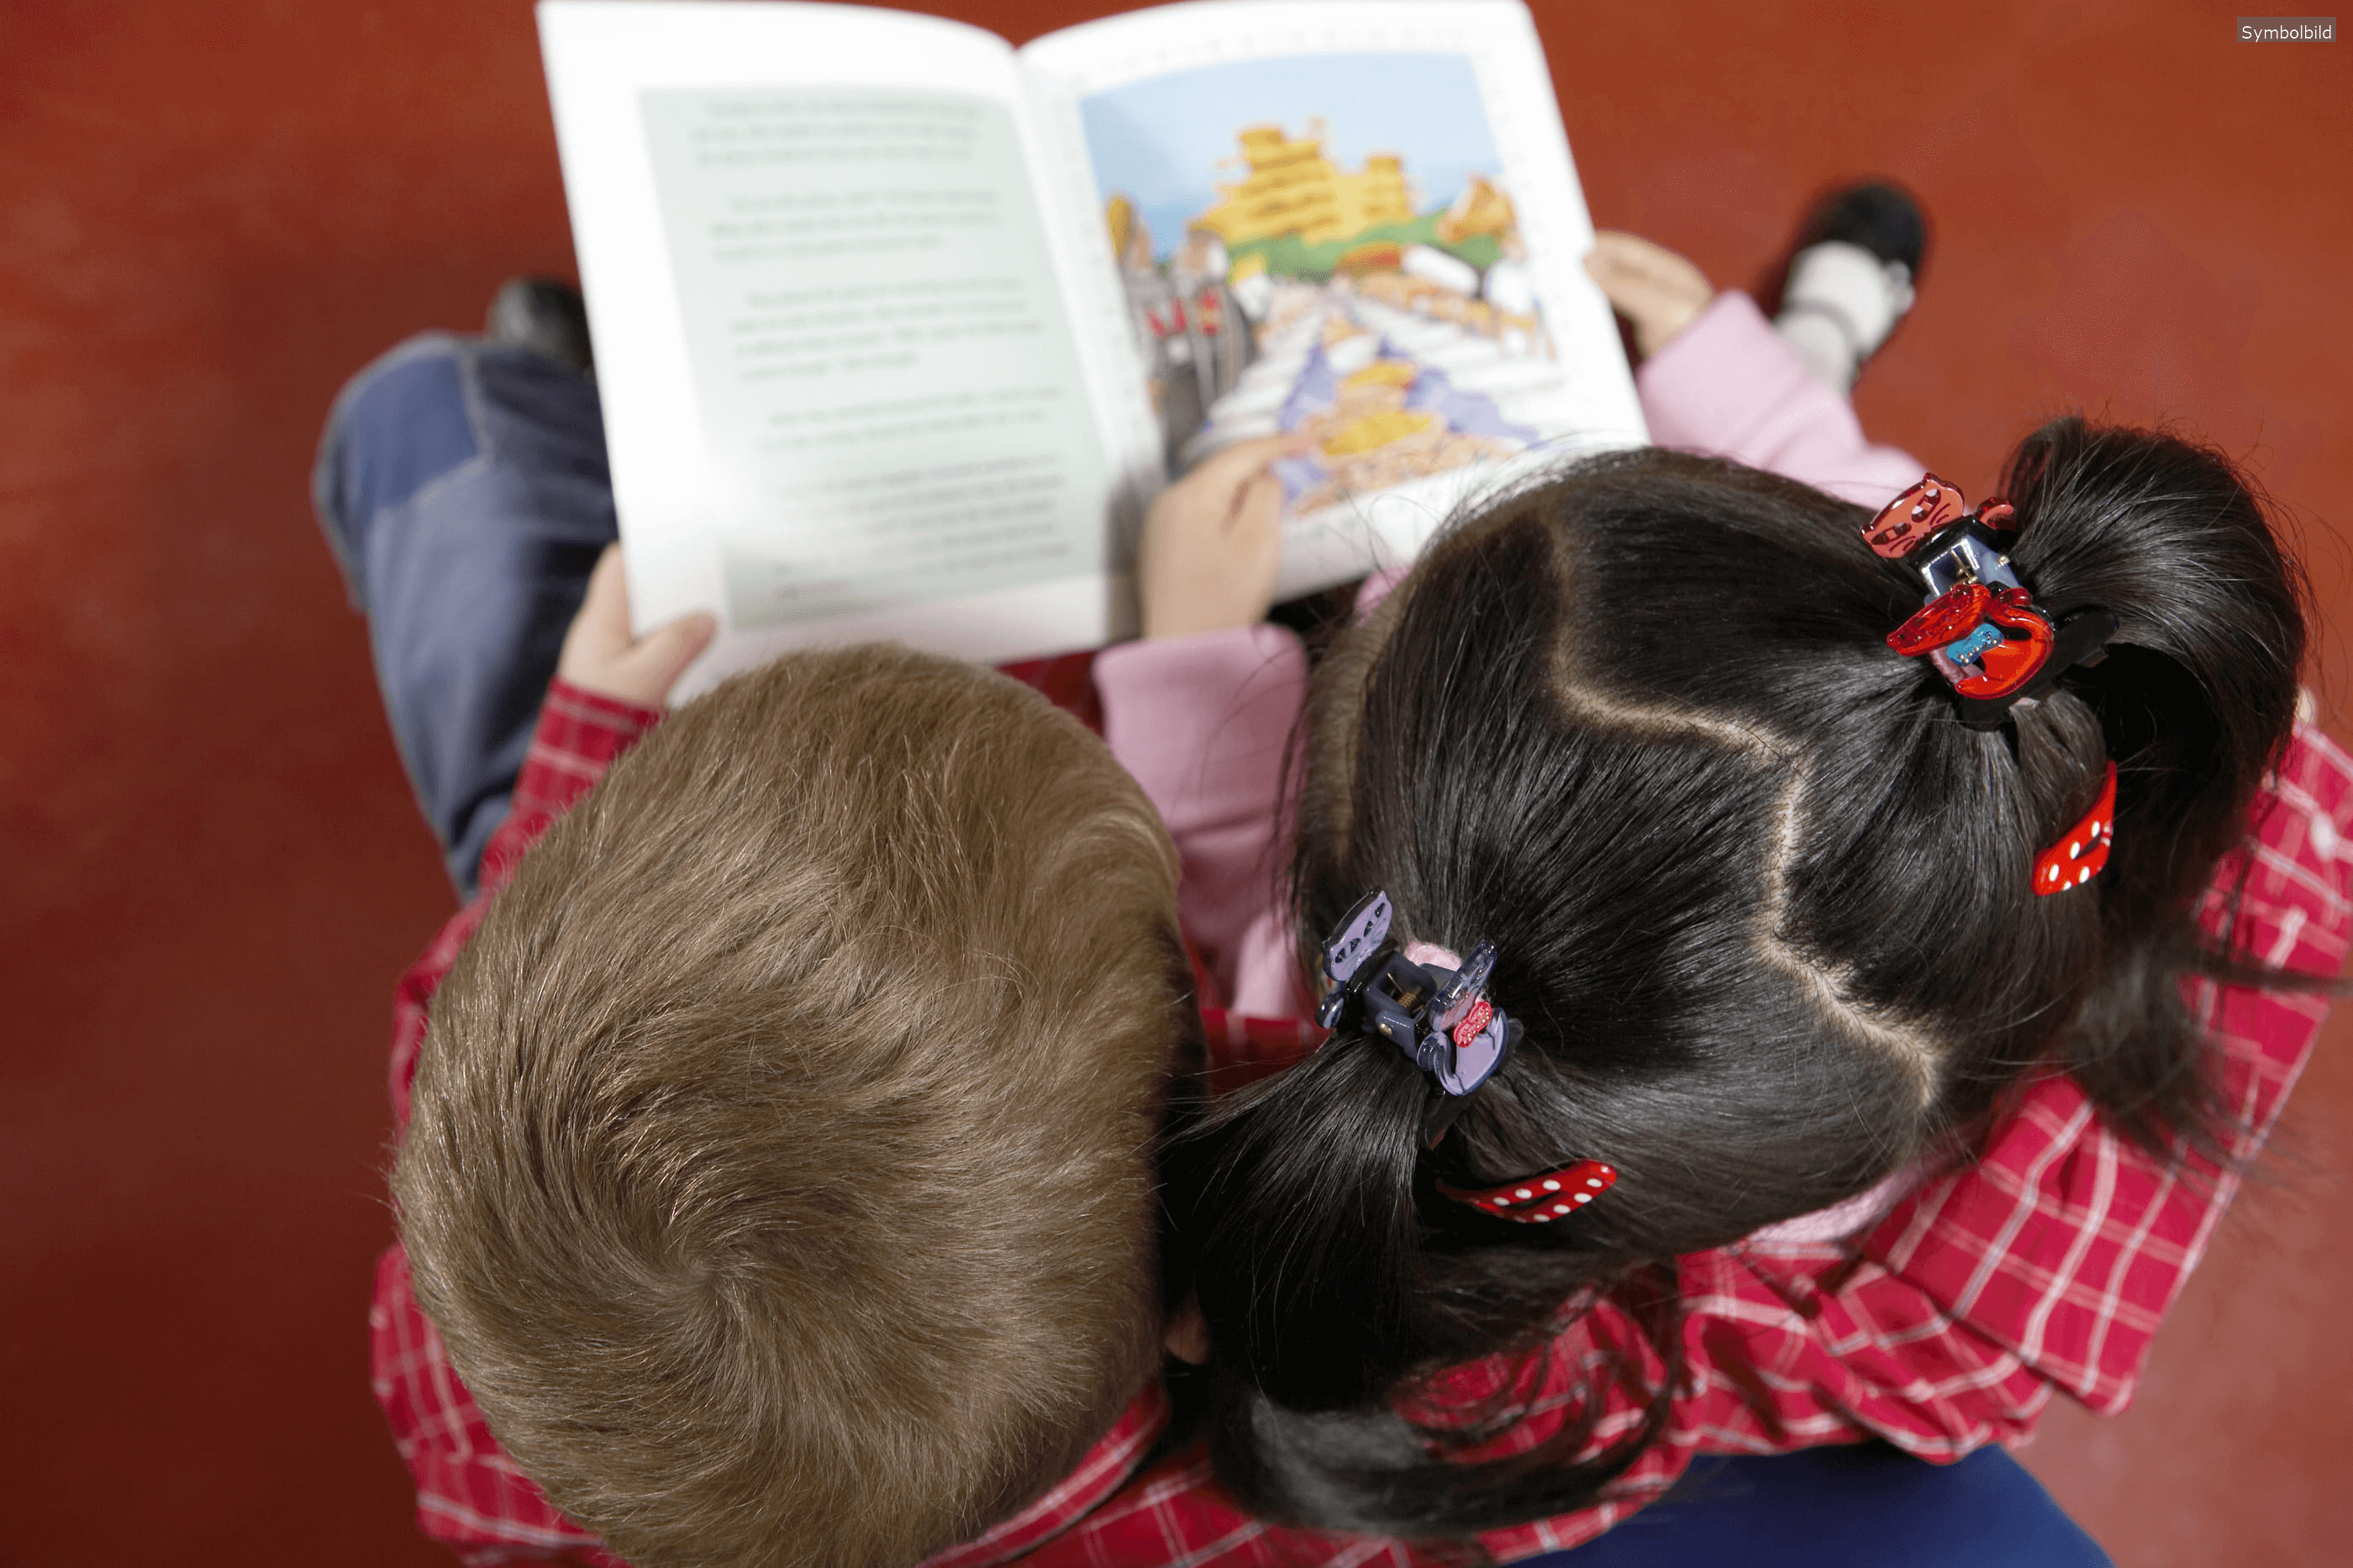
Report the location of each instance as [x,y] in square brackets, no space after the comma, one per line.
[2046,1267]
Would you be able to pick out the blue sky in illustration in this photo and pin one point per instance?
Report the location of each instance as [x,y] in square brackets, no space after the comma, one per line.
[1162,141]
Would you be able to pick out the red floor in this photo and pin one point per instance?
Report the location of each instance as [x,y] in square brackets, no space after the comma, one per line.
[210,214]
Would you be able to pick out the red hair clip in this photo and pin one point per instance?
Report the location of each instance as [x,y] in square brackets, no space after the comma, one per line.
[1985,665]
[1914,516]
[2078,858]
[1539,1199]
[1980,627]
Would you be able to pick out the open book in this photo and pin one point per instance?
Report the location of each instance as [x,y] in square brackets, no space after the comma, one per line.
[898,329]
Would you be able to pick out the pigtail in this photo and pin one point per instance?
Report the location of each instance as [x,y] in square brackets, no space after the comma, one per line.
[1376,1278]
[1370,1470]
[2194,703]
[2199,693]
[1315,1168]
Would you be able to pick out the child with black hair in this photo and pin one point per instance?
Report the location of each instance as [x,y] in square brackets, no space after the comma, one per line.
[1887,1033]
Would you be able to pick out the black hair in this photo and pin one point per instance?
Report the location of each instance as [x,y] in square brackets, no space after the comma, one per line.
[1762,904]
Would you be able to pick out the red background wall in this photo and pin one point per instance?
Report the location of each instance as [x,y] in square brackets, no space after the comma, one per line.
[209,215]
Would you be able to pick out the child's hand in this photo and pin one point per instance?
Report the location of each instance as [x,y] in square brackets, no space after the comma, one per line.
[1651,286]
[1213,542]
[600,656]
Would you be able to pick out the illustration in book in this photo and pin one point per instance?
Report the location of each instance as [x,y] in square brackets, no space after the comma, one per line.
[1325,246]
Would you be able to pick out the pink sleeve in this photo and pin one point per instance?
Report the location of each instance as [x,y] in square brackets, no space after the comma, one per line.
[1729,387]
[1204,724]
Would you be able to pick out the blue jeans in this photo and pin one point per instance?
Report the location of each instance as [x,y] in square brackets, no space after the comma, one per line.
[1858,1507]
[463,489]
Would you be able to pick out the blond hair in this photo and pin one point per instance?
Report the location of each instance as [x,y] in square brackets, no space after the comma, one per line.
[780,1172]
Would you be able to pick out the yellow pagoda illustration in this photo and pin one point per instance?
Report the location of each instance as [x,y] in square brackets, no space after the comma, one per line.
[1292,188]
[1481,208]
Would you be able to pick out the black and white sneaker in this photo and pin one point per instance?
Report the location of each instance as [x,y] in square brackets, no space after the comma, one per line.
[1851,276]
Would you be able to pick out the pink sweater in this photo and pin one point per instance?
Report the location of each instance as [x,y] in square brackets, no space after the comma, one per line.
[1203,721]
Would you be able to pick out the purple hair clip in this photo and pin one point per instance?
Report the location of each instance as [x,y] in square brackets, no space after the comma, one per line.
[1424,1000]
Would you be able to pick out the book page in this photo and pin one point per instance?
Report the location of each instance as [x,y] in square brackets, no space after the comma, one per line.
[1357,223]
[843,393]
